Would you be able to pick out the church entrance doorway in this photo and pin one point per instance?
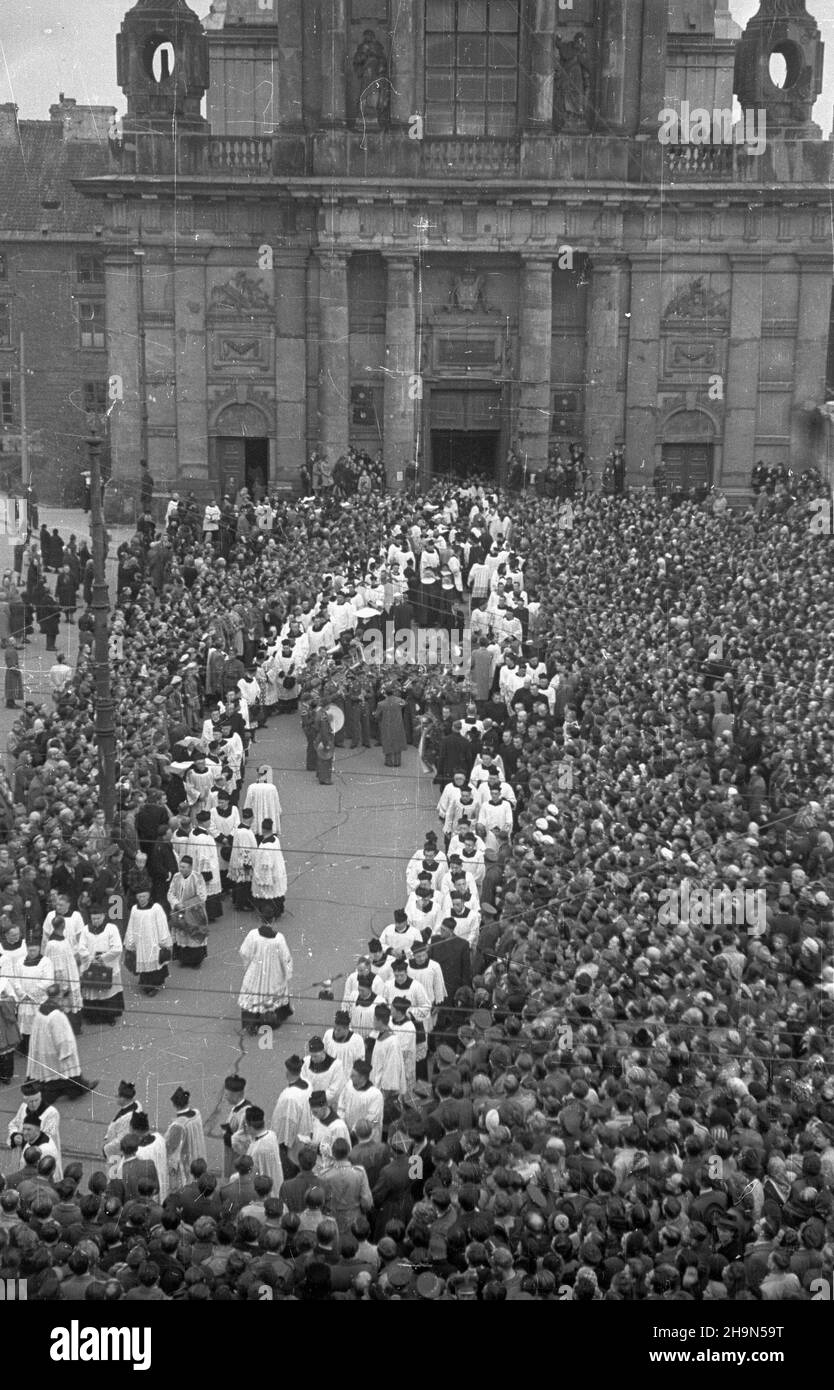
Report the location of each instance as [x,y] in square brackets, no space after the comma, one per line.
[460,454]
[465,432]
[688,469]
[242,452]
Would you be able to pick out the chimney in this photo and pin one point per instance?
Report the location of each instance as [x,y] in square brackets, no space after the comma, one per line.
[82,122]
[9,134]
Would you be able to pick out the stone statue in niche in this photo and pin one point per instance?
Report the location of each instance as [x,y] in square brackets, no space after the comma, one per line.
[370,65]
[572,83]
[243,292]
[468,294]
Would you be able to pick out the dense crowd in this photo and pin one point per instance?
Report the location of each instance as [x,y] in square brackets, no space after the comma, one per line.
[600,1074]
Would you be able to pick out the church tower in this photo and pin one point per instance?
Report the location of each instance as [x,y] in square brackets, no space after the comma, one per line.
[162,68]
[781,29]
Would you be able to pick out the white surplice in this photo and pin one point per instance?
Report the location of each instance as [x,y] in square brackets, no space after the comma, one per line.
[268,972]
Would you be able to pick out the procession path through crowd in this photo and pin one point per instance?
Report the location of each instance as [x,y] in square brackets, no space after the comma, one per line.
[346,848]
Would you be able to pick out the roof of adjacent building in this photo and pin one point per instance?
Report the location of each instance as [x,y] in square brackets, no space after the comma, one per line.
[38,164]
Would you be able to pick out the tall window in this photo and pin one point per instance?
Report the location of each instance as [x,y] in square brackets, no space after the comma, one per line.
[95,397]
[472,67]
[91,321]
[5,322]
[89,266]
[6,403]
[4,267]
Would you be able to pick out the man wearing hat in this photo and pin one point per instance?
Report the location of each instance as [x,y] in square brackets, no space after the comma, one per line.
[48,1117]
[326,1129]
[269,874]
[184,1139]
[342,1043]
[427,973]
[33,1136]
[386,1055]
[241,862]
[263,801]
[119,1126]
[261,1145]
[450,797]
[361,1102]
[187,897]
[291,1117]
[31,980]
[234,1094]
[202,849]
[148,939]
[143,1156]
[322,1071]
[400,935]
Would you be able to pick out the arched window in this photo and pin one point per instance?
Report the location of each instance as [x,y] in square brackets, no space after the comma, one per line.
[160,58]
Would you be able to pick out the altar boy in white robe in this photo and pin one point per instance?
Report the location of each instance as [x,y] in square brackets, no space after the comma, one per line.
[30,984]
[261,1146]
[263,801]
[241,863]
[151,1148]
[292,1117]
[234,1093]
[343,1043]
[322,1071]
[184,1139]
[387,1058]
[120,1125]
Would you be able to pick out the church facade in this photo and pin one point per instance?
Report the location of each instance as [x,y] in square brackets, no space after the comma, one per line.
[452,227]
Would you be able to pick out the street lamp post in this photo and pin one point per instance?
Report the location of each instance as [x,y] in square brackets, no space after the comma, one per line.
[105,709]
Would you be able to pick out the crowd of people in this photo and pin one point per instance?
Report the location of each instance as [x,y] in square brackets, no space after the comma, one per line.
[573,1066]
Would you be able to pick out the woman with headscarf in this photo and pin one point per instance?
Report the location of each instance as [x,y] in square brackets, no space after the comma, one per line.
[263,801]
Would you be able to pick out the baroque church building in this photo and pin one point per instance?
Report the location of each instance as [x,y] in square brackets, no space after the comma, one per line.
[442,228]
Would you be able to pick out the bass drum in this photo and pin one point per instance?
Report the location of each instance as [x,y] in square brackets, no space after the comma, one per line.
[336,717]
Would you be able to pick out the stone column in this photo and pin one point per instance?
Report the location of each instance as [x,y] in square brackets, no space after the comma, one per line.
[190,367]
[334,33]
[643,367]
[402,66]
[810,361]
[535,333]
[542,59]
[400,367]
[290,363]
[121,274]
[334,357]
[653,63]
[603,425]
[742,385]
[620,57]
[289,112]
